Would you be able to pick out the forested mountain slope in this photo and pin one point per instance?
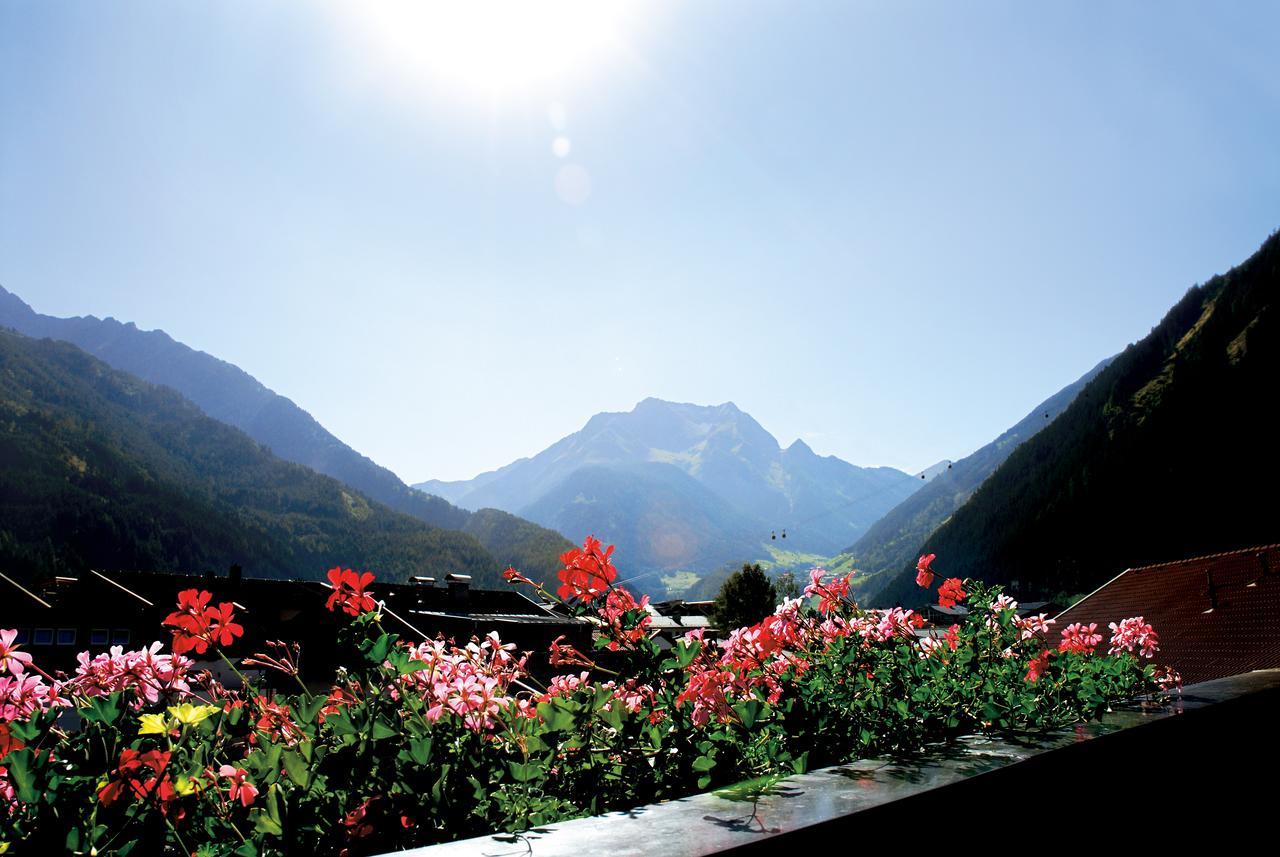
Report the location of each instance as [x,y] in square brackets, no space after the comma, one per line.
[233,396]
[101,469]
[894,541]
[1170,452]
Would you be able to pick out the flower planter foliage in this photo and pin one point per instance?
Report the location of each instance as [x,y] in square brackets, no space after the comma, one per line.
[420,741]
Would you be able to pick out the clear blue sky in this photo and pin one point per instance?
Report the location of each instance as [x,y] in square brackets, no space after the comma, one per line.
[889,228]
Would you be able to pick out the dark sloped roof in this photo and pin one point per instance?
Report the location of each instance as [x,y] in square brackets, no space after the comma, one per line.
[1216,615]
[161,590]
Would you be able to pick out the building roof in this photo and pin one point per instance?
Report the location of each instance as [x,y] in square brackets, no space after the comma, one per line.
[1216,615]
[267,608]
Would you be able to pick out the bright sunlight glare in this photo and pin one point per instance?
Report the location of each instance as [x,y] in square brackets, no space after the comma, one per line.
[490,47]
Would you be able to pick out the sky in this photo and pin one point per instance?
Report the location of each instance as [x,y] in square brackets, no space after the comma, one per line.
[454,234]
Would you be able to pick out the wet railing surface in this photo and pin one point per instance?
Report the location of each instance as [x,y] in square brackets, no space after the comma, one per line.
[1208,759]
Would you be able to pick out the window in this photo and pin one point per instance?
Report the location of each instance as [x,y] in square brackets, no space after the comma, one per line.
[24,636]
[66,636]
[120,637]
[99,637]
[43,637]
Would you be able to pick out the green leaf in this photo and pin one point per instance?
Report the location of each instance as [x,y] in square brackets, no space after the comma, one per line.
[340,723]
[263,823]
[420,750]
[686,652]
[612,715]
[273,805]
[523,772]
[751,789]
[704,763]
[557,716]
[20,771]
[74,842]
[748,711]
[411,666]
[297,769]
[383,729]
[309,711]
[378,653]
[437,790]
[101,709]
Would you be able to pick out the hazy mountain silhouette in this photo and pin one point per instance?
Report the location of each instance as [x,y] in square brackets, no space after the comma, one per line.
[711,464]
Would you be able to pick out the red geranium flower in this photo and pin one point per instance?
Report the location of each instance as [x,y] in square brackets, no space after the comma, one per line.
[7,741]
[140,774]
[196,625]
[953,637]
[587,572]
[950,592]
[222,628]
[356,822]
[349,591]
[276,721]
[924,574]
[1036,666]
[513,576]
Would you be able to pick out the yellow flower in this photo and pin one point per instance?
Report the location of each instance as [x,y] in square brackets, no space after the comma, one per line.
[184,786]
[152,724]
[189,715]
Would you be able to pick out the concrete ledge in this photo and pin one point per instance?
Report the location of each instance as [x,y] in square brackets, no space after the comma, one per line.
[1141,772]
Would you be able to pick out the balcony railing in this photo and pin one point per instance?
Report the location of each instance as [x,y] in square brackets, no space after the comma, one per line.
[1207,762]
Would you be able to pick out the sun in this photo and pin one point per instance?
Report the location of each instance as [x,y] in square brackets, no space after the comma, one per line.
[489,47]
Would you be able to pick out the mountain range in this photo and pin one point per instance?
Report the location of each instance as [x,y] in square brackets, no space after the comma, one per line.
[233,396]
[169,458]
[1167,453]
[682,486]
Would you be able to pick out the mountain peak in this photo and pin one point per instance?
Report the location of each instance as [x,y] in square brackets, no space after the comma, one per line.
[801,447]
[653,403]
[14,304]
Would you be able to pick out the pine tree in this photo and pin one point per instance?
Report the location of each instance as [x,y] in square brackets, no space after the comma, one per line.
[787,586]
[745,598]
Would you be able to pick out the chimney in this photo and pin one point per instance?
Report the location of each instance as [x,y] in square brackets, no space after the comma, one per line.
[459,592]
[233,574]
[421,580]
[1261,557]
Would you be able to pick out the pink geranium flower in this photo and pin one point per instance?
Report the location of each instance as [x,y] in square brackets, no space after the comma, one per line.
[11,659]
[240,788]
[1078,638]
[1134,634]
